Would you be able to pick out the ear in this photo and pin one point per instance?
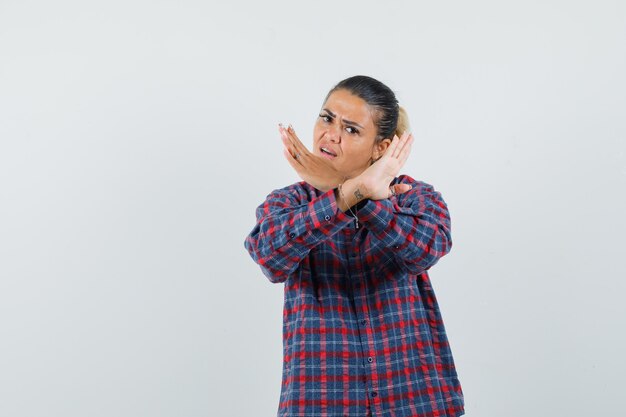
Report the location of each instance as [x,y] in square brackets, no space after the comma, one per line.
[380,148]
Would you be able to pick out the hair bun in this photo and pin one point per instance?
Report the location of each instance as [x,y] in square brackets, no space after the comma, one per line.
[403,122]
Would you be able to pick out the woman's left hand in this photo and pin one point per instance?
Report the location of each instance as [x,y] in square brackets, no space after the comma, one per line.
[377,177]
[313,169]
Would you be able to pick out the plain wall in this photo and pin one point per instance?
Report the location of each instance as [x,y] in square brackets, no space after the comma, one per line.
[137,139]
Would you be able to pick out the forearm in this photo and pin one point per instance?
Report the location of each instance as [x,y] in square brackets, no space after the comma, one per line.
[416,226]
[288,228]
[351,192]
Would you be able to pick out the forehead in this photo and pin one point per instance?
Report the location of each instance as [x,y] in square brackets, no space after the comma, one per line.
[346,105]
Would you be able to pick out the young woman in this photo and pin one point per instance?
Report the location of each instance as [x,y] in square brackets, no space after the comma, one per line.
[352,242]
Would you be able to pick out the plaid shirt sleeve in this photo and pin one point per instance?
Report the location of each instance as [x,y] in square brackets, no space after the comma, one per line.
[415,225]
[290,224]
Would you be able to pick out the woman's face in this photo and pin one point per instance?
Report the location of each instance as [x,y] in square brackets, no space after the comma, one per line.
[345,132]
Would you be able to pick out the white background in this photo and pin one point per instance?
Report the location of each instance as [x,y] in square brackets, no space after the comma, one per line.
[138,137]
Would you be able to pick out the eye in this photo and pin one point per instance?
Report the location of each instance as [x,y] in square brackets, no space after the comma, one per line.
[326,118]
[351,130]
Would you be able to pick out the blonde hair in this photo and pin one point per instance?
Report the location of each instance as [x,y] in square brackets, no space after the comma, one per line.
[403,122]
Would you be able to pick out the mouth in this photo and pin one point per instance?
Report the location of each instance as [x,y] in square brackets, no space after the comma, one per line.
[327,153]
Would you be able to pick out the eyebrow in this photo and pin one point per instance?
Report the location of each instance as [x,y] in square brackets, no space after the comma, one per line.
[348,122]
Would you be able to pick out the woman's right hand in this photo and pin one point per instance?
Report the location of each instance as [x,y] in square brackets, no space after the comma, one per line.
[313,169]
[376,179]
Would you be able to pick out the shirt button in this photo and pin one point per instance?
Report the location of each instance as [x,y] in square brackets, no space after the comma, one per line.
[374,394]
[363,322]
[396,246]
[292,235]
[327,217]
[370,359]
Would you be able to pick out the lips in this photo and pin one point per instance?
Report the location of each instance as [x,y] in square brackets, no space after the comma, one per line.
[327,152]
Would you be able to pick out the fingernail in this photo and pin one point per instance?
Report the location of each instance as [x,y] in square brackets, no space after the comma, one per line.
[290,127]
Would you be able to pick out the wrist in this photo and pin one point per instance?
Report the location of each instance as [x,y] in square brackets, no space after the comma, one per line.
[351,192]
[331,184]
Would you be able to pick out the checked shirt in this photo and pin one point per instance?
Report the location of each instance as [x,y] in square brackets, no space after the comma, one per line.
[362,330]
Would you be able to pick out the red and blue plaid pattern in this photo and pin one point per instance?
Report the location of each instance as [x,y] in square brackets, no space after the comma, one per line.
[362,330]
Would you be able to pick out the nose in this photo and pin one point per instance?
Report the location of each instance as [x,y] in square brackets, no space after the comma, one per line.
[334,134]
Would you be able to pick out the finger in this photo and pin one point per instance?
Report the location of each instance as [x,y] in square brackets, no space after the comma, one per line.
[299,146]
[285,133]
[299,154]
[392,146]
[406,151]
[288,143]
[403,158]
[292,161]
[297,159]
[401,188]
[400,146]
[407,139]
[295,147]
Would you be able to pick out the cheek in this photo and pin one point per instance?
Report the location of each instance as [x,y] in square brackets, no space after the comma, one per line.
[360,153]
[316,131]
